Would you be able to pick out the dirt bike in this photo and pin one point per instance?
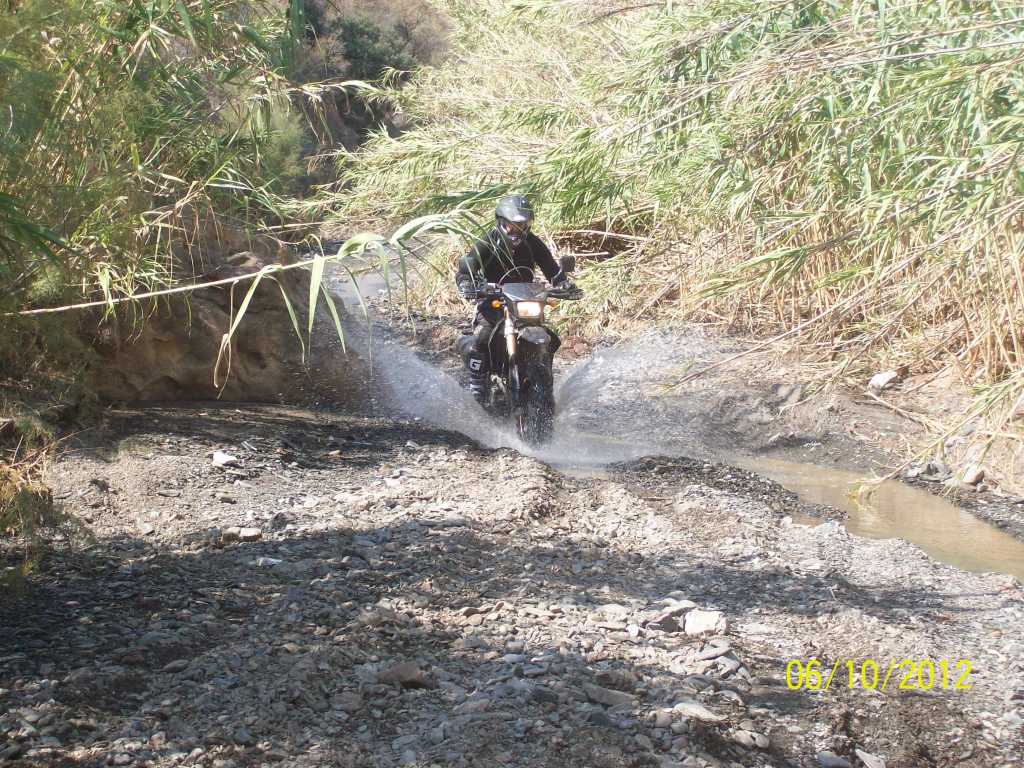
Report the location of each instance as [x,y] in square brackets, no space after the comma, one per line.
[521,350]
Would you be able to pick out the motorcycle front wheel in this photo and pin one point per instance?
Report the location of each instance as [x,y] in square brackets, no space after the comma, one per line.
[535,415]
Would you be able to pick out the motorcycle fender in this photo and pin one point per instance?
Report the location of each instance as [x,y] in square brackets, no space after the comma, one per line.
[537,337]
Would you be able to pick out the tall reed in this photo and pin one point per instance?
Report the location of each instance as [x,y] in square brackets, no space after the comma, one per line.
[122,123]
[118,116]
[848,168]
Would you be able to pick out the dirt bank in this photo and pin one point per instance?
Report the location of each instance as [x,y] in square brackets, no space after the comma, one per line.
[361,591]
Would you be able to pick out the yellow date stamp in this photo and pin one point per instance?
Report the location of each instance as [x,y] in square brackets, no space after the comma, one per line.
[870,675]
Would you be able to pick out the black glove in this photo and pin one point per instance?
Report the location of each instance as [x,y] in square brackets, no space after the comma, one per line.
[467,289]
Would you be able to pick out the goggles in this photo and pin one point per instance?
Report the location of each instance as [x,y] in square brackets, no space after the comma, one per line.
[512,229]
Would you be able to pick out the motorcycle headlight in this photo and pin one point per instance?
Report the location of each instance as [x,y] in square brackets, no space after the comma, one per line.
[529,308]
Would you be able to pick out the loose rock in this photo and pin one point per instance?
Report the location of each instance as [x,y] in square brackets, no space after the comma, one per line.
[697,711]
[869,760]
[883,380]
[407,674]
[973,475]
[699,622]
[222,459]
[607,696]
[832,760]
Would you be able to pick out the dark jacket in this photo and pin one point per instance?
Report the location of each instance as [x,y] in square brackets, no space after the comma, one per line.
[491,258]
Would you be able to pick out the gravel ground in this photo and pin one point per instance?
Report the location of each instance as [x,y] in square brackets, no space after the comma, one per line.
[271,586]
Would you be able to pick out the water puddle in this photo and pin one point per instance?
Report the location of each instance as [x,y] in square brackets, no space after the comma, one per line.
[895,510]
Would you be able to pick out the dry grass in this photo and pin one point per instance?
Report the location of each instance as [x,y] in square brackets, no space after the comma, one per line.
[846,176]
[27,513]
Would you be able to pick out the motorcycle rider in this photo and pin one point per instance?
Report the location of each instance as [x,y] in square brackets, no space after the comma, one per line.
[508,253]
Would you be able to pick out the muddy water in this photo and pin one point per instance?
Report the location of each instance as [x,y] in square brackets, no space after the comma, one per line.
[626,429]
[891,511]
[895,510]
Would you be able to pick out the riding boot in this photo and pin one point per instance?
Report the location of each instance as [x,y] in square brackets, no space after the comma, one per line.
[479,376]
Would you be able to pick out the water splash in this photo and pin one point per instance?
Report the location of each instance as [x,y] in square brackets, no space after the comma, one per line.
[414,388]
[610,407]
[604,404]
[404,384]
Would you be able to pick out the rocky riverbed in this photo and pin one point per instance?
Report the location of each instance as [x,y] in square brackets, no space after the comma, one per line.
[269,586]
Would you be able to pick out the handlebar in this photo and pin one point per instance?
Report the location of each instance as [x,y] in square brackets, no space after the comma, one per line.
[493,290]
[488,290]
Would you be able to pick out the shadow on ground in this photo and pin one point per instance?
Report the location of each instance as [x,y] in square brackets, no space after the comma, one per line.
[192,645]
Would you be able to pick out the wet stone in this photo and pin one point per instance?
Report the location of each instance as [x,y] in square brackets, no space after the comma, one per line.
[832,760]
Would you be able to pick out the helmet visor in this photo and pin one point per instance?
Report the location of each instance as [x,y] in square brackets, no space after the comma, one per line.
[514,230]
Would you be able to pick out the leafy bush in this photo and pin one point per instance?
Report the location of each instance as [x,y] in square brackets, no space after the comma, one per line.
[416,28]
[116,118]
[370,49]
[363,41]
[123,124]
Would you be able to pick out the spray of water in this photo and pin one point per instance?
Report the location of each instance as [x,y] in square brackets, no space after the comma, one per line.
[407,386]
[608,408]
[414,388]
[604,404]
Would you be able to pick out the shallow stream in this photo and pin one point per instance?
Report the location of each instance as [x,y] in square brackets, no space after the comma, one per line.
[605,416]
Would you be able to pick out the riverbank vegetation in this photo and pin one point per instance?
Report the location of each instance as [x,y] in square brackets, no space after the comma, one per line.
[123,122]
[845,175]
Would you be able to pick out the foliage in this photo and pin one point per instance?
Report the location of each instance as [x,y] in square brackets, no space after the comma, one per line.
[417,31]
[845,172]
[365,41]
[371,50]
[123,124]
[27,512]
[118,115]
